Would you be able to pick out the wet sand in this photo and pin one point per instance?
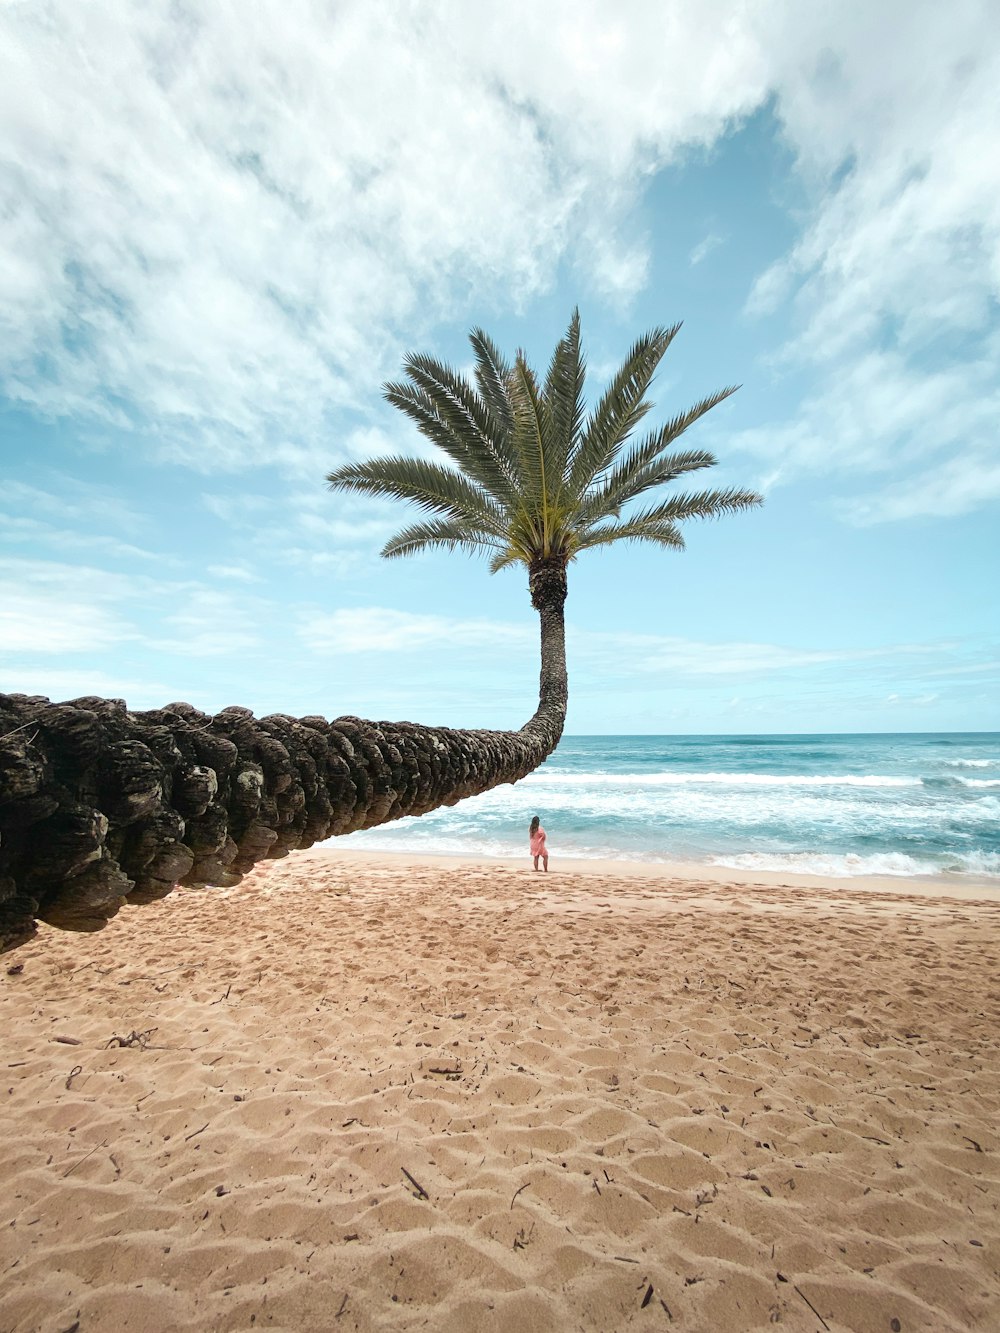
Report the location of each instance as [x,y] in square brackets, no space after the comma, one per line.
[368,1092]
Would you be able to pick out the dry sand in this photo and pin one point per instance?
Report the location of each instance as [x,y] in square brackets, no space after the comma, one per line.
[368,1093]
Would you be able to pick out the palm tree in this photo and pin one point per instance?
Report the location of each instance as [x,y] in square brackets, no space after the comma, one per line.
[101,806]
[536,480]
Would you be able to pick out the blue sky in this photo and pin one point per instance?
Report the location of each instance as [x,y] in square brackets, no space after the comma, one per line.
[222,227]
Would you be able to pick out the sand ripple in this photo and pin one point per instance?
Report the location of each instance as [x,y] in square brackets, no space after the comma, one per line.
[487,1101]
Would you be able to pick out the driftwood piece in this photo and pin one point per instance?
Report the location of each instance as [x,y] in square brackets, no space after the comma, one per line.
[101,806]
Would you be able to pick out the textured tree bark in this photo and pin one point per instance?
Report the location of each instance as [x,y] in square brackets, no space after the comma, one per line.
[100,806]
[547,582]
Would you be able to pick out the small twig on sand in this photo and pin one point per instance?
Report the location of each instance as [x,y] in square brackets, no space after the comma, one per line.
[140,1039]
[343,1307]
[812,1307]
[197,1132]
[77,1069]
[103,1144]
[421,1192]
[518,1191]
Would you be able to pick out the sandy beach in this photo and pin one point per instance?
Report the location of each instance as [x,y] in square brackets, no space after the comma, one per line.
[365,1092]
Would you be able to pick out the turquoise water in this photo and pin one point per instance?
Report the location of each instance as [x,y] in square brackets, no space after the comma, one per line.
[909,804]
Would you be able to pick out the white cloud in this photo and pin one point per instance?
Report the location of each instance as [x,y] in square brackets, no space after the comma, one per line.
[704,248]
[48,607]
[214,219]
[882,416]
[100,503]
[60,683]
[896,276]
[912,700]
[674,657]
[380,629]
[307,528]
[970,669]
[37,533]
[955,486]
[51,518]
[235,572]
[56,624]
[908,219]
[213,624]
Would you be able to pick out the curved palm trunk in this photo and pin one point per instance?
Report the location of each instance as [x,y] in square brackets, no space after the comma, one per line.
[547,581]
[100,806]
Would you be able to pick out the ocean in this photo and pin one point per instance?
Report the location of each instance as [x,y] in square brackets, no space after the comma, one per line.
[907,804]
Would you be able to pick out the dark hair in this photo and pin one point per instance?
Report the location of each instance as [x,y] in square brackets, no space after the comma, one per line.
[534,825]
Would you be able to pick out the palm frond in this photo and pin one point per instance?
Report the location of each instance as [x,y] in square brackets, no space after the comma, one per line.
[698,504]
[437,489]
[493,375]
[438,532]
[608,498]
[532,476]
[662,438]
[564,396]
[632,530]
[473,439]
[643,467]
[504,559]
[421,409]
[530,435]
[621,408]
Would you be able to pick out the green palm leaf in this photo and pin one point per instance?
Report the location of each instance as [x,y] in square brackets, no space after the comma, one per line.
[493,376]
[564,396]
[621,408]
[448,533]
[659,534]
[532,428]
[473,439]
[535,480]
[699,504]
[432,487]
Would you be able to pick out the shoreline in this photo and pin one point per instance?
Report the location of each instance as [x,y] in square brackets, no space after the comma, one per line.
[966,888]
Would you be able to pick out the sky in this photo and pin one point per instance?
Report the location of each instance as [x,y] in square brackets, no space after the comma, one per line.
[223,226]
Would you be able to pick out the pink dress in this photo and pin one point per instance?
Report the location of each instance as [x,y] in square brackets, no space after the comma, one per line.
[538,842]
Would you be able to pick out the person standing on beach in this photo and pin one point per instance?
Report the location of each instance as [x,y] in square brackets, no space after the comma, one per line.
[536,838]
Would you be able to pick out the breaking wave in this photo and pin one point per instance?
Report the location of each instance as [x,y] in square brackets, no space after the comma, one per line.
[841,806]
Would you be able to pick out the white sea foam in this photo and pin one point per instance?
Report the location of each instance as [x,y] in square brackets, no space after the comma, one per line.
[849,865]
[660,812]
[718,780]
[977,863]
[826,863]
[852,864]
[857,810]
